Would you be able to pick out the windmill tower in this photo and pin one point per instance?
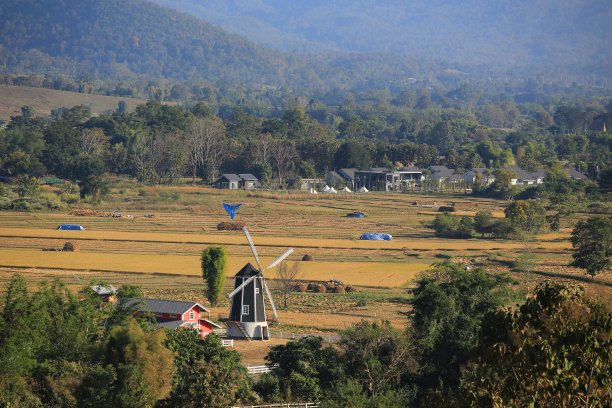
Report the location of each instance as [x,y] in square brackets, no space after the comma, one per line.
[247,317]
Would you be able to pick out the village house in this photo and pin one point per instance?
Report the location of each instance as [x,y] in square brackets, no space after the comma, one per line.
[232,181]
[443,174]
[383,179]
[175,314]
[479,174]
[525,178]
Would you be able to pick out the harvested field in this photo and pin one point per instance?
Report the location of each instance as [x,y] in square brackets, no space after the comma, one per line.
[358,273]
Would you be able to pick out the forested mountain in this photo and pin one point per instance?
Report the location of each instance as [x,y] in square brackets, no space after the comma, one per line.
[500,34]
[125,39]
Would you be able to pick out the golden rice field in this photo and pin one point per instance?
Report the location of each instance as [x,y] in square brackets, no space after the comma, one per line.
[357,273]
[162,254]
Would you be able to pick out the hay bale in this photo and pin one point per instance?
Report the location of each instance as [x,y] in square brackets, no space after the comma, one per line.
[70,246]
[446,208]
[350,289]
[339,289]
[320,288]
[301,287]
[230,226]
[307,257]
[311,286]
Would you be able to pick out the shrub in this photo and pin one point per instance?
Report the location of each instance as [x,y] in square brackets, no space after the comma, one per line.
[307,257]
[320,288]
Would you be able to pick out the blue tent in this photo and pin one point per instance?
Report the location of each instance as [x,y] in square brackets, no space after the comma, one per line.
[376,236]
[356,215]
[71,227]
[231,209]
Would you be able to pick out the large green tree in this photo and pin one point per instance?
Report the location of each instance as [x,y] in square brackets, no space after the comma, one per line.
[449,304]
[553,351]
[213,271]
[592,243]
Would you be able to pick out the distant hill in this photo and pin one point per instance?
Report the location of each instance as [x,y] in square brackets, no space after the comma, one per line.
[123,39]
[126,38]
[500,34]
[41,100]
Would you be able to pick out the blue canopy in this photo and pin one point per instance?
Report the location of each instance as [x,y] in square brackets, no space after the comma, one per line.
[72,227]
[376,236]
[231,209]
[356,215]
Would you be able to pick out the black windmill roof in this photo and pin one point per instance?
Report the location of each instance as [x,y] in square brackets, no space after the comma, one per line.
[247,271]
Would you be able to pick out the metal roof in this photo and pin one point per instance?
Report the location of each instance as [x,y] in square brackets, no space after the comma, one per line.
[231,177]
[248,270]
[248,176]
[163,305]
[104,290]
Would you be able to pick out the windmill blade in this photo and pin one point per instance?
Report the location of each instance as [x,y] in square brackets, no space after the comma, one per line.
[252,245]
[265,285]
[239,288]
[279,259]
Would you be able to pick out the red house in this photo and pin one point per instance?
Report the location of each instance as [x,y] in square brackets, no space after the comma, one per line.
[173,314]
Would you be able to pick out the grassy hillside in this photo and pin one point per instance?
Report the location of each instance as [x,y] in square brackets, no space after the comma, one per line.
[12,98]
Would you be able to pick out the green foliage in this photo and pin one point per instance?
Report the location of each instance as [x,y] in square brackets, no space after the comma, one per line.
[483,222]
[449,304]
[553,351]
[213,271]
[305,368]
[207,374]
[527,217]
[350,394]
[352,154]
[27,187]
[451,226]
[378,356]
[592,243]
[144,358]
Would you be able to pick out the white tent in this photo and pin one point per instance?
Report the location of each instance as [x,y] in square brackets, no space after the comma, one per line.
[332,191]
[363,190]
[346,190]
[326,189]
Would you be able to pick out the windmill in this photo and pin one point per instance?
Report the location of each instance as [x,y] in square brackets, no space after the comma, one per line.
[247,318]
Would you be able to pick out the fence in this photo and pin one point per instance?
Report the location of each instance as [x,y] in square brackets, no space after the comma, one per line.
[329,338]
[260,369]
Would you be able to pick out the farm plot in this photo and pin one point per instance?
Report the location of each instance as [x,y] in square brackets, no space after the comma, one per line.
[358,273]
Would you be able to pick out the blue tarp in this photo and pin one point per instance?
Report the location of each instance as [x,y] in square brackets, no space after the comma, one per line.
[356,215]
[231,209]
[376,236]
[73,227]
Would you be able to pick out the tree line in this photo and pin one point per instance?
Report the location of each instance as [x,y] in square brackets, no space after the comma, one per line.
[159,143]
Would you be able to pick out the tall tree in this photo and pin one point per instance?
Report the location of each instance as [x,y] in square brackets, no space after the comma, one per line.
[213,271]
[592,243]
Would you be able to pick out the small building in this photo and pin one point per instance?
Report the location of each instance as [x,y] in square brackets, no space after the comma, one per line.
[481,174]
[175,314]
[228,181]
[525,178]
[249,181]
[231,181]
[310,184]
[106,293]
[349,176]
[443,174]
[383,179]
[575,174]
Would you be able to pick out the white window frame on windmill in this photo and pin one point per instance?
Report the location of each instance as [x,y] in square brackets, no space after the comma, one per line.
[256,290]
[245,309]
